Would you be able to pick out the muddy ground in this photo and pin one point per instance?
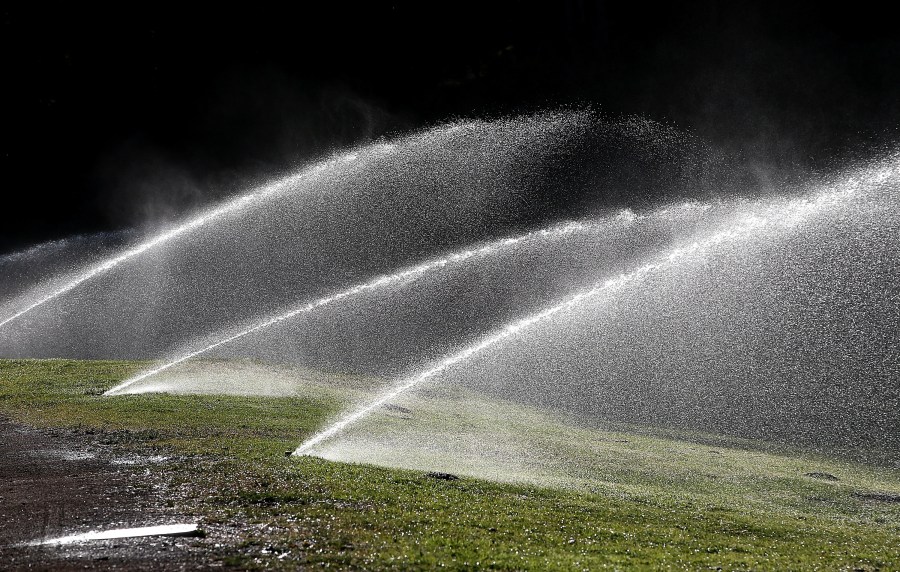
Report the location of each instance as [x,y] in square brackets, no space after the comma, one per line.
[60,483]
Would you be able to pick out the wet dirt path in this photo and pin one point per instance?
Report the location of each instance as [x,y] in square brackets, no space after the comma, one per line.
[59,483]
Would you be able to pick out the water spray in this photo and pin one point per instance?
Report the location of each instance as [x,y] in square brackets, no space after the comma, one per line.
[230,207]
[410,273]
[791,214]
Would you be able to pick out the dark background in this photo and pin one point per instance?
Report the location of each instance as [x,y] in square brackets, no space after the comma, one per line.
[116,117]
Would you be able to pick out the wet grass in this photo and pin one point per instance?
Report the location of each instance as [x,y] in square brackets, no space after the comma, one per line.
[306,511]
[452,429]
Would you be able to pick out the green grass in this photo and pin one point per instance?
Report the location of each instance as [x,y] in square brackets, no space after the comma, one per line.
[622,500]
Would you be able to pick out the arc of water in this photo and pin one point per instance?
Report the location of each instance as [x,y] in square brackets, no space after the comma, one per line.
[203,219]
[791,214]
[411,272]
[558,121]
[623,217]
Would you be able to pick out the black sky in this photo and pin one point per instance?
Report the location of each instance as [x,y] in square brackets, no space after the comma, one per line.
[111,115]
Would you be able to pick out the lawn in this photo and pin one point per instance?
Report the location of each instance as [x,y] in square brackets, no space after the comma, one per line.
[622,498]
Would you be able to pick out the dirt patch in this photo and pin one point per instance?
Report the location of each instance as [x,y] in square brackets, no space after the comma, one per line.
[63,483]
[821,476]
[879,497]
[442,476]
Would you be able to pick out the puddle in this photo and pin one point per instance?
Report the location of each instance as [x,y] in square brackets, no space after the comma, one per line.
[140,460]
[163,530]
[63,455]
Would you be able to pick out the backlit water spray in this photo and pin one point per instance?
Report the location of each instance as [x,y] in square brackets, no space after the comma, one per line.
[230,207]
[791,213]
[62,245]
[248,256]
[411,273]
